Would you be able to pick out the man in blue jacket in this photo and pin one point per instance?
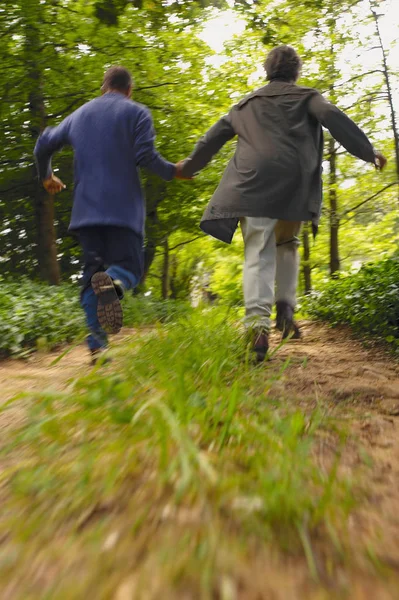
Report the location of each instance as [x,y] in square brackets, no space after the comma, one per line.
[112,137]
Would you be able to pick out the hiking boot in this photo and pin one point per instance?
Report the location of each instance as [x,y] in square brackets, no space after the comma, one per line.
[98,355]
[285,321]
[260,341]
[119,287]
[109,309]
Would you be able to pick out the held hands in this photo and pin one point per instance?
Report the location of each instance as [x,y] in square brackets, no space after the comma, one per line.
[53,185]
[179,170]
[380,161]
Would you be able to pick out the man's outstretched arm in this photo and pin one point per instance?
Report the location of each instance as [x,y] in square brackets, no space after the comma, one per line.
[51,140]
[345,131]
[208,146]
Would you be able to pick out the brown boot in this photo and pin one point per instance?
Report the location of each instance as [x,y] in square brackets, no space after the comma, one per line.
[285,321]
[260,341]
[98,355]
[109,310]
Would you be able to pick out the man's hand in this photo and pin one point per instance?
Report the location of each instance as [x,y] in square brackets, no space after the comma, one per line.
[380,161]
[179,170]
[53,185]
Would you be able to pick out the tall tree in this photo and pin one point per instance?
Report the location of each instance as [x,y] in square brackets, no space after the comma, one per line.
[45,80]
[32,18]
[387,79]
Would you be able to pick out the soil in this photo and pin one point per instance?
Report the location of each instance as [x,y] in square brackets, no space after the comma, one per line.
[356,383]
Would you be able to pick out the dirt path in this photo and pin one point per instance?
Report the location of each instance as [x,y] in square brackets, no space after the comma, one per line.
[43,371]
[358,384]
[361,385]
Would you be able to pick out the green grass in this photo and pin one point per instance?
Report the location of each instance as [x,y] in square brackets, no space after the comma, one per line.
[181,458]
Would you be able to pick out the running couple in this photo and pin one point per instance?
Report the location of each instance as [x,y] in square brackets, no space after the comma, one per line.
[270,187]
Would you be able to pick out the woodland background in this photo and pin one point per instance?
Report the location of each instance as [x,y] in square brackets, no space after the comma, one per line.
[53,55]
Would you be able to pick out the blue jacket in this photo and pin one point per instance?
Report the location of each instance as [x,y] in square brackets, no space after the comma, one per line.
[112,137]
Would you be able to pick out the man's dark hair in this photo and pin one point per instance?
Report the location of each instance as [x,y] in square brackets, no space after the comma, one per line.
[283,63]
[117,78]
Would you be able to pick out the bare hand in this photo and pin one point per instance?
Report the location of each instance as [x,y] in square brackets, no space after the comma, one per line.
[53,185]
[179,169]
[380,161]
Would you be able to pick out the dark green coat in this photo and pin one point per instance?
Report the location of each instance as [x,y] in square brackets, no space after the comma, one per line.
[276,170]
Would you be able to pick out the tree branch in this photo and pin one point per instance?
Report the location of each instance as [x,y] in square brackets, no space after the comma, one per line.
[187,242]
[155,85]
[15,187]
[353,79]
[369,198]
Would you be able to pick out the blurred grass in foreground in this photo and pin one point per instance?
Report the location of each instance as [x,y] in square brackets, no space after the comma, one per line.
[171,469]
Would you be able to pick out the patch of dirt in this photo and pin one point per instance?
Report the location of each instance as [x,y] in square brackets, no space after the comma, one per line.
[361,385]
[42,371]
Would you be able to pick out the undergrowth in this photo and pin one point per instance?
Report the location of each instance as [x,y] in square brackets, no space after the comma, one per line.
[167,469]
[368,301]
[36,316]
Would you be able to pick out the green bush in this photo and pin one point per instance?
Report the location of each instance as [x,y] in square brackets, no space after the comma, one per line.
[368,301]
[35,315]
[139,311]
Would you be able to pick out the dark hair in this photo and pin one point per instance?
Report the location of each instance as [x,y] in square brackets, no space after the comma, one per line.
[283,63]
[117,78]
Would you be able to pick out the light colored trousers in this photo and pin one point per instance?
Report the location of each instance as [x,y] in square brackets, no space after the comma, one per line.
[271,260]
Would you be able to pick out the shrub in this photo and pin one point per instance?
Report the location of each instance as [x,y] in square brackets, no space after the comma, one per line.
[139,311]
[368,301]
[35,315]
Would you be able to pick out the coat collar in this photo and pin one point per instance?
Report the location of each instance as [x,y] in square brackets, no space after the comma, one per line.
[277,88]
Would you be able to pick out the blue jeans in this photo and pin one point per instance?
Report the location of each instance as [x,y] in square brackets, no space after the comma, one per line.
[119,252]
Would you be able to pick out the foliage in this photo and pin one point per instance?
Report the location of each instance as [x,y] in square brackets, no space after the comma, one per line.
[181,443]
[139,311]
[35,316]
[367,300]
[160,44]
[187,89]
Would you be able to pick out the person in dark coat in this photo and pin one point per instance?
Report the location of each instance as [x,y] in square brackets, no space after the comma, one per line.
[112,138]
[273,183]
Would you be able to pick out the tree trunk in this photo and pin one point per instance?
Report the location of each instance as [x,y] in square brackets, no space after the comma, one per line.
[172,277]
[165,271]
[395,131]
[44,204]
[334,218]
[46,248]
[155,190]
[306,268]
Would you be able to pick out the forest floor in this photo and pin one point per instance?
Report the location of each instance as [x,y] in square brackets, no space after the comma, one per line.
[358,386]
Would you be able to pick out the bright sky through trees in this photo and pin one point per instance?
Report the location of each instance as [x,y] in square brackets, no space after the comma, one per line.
[227,24]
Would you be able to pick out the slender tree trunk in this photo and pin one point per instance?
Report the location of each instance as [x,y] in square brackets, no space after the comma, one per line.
[155,190]
[332,159]
[306,268]
[334,218]
[44,204]
[172,277]
[149,255]
[49,269]
[395,131]
[165,271]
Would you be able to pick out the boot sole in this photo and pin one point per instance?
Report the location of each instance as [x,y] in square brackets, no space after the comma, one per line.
[109,309]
